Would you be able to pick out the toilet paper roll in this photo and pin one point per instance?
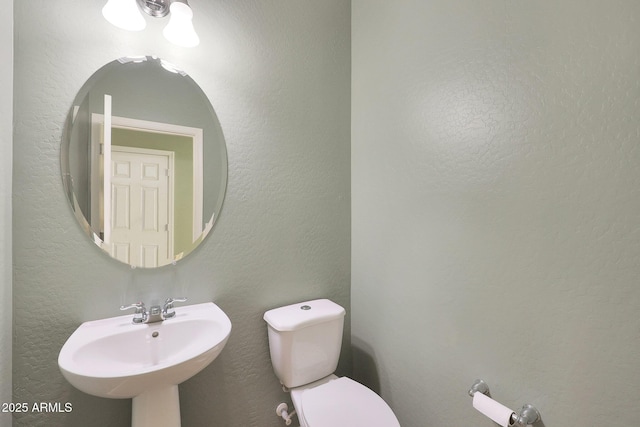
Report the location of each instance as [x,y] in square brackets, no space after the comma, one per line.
[494,410]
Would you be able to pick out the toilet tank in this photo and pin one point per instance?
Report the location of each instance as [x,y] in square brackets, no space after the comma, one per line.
[305,340]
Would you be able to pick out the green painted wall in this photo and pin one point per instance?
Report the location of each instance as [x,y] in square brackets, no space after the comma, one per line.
[496,207]
[282,235]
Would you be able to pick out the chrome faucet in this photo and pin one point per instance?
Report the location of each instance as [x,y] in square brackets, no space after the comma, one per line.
[155,313]
[140,315]
[168,311]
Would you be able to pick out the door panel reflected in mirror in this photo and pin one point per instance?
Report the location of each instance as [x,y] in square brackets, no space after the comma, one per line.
[144,162]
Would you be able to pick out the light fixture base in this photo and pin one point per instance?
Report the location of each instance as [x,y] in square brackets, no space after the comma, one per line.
[155,8]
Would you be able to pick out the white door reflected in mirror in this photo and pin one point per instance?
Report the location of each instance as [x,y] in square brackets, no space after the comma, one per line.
[141,206]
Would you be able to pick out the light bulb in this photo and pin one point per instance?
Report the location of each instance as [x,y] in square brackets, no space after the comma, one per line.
[180,29]
[124,14]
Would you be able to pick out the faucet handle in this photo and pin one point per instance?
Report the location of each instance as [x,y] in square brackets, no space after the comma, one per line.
[167,310]
[140,315]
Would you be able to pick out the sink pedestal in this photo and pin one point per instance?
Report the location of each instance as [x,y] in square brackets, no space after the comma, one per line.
[157,408]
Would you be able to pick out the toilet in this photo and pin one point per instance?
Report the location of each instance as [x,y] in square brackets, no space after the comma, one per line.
[305,341]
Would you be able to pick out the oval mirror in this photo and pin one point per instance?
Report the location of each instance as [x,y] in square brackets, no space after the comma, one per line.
[144,162]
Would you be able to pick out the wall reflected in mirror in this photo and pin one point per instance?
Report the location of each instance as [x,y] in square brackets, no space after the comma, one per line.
[144,162]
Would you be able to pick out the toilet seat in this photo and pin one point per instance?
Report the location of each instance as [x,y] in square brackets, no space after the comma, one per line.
[343,402]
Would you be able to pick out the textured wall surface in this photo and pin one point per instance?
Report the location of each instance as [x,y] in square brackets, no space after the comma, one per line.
[6,148]
[496,206]
[278,75]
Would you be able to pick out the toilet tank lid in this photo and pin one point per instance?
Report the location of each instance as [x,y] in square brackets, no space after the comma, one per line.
[303,314]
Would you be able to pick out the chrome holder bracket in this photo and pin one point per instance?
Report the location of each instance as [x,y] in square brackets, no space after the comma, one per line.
[528,414]
[481,386]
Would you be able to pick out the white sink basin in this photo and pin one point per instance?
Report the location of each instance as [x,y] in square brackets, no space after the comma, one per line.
[115,358]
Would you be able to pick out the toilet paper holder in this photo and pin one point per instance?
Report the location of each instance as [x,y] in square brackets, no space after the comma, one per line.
[528,413]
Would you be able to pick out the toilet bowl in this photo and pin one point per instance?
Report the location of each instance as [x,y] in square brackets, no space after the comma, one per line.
[341,402]
[305,340]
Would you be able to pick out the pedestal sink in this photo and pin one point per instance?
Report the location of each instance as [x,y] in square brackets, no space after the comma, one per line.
[117,359]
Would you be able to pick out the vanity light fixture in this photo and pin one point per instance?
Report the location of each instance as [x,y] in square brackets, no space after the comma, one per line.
[180,29]
[126,14]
